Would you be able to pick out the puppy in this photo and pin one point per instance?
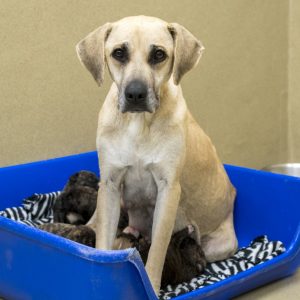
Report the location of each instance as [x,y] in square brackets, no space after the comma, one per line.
[83,178]
[78,233]
[184,261]
[153,155]
[77,202]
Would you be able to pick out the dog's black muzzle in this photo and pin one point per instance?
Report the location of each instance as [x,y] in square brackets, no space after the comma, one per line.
[136,97]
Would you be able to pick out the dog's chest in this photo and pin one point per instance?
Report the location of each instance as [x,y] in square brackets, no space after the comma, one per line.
[134,150]
[139,192]
[139,187]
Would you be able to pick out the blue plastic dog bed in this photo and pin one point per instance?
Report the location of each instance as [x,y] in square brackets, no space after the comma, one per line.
[41,266]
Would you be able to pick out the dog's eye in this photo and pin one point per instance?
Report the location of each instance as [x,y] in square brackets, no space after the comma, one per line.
[120,54]
[157,56]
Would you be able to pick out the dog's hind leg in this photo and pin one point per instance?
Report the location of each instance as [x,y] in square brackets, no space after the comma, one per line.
[221,243]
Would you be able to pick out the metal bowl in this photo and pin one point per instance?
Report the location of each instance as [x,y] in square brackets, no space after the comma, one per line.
[292,169]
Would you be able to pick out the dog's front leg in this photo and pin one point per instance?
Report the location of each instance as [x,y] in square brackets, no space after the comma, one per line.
[108,209]
[163,224]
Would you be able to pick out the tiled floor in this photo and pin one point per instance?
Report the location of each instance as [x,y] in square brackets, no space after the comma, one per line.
[284,289]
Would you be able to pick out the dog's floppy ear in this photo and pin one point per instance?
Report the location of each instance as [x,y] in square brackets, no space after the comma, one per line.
[90,51]
[187,52]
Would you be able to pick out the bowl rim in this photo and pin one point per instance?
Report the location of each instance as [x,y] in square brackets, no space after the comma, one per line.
[282,165]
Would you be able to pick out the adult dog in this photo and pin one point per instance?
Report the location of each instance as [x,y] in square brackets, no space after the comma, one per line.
[155,159]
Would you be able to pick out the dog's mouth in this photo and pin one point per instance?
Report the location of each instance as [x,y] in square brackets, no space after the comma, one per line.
[136,109]
[146,106]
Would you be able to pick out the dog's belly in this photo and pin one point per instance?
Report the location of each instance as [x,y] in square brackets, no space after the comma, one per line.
[139,197]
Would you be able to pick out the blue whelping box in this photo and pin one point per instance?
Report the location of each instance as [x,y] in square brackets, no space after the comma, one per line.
[41,266]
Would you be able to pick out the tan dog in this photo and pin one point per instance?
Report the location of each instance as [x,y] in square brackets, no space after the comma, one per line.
[154,157]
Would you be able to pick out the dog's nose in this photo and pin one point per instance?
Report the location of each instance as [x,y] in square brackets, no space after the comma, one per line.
[136,91]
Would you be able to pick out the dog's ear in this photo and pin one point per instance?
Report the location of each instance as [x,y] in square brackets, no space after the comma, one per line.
[90,51]
[187,52]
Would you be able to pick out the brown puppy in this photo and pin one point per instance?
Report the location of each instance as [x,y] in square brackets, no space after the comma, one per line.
[78,233]
[77,202]
[184,261]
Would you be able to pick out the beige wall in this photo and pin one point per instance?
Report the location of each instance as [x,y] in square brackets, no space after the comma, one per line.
[49,103]
[294,82]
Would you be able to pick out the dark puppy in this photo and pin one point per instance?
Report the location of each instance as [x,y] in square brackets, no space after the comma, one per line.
[184,261]
[77,202]
[83,178]
[78,233]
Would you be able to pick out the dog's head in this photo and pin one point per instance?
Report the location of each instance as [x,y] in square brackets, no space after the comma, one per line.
[142,53]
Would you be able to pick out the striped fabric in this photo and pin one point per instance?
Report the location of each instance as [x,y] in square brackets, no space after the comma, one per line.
[38,209]
[35,210]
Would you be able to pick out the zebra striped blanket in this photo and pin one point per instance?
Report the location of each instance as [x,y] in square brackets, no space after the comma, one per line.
[38,209]
[35,210]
